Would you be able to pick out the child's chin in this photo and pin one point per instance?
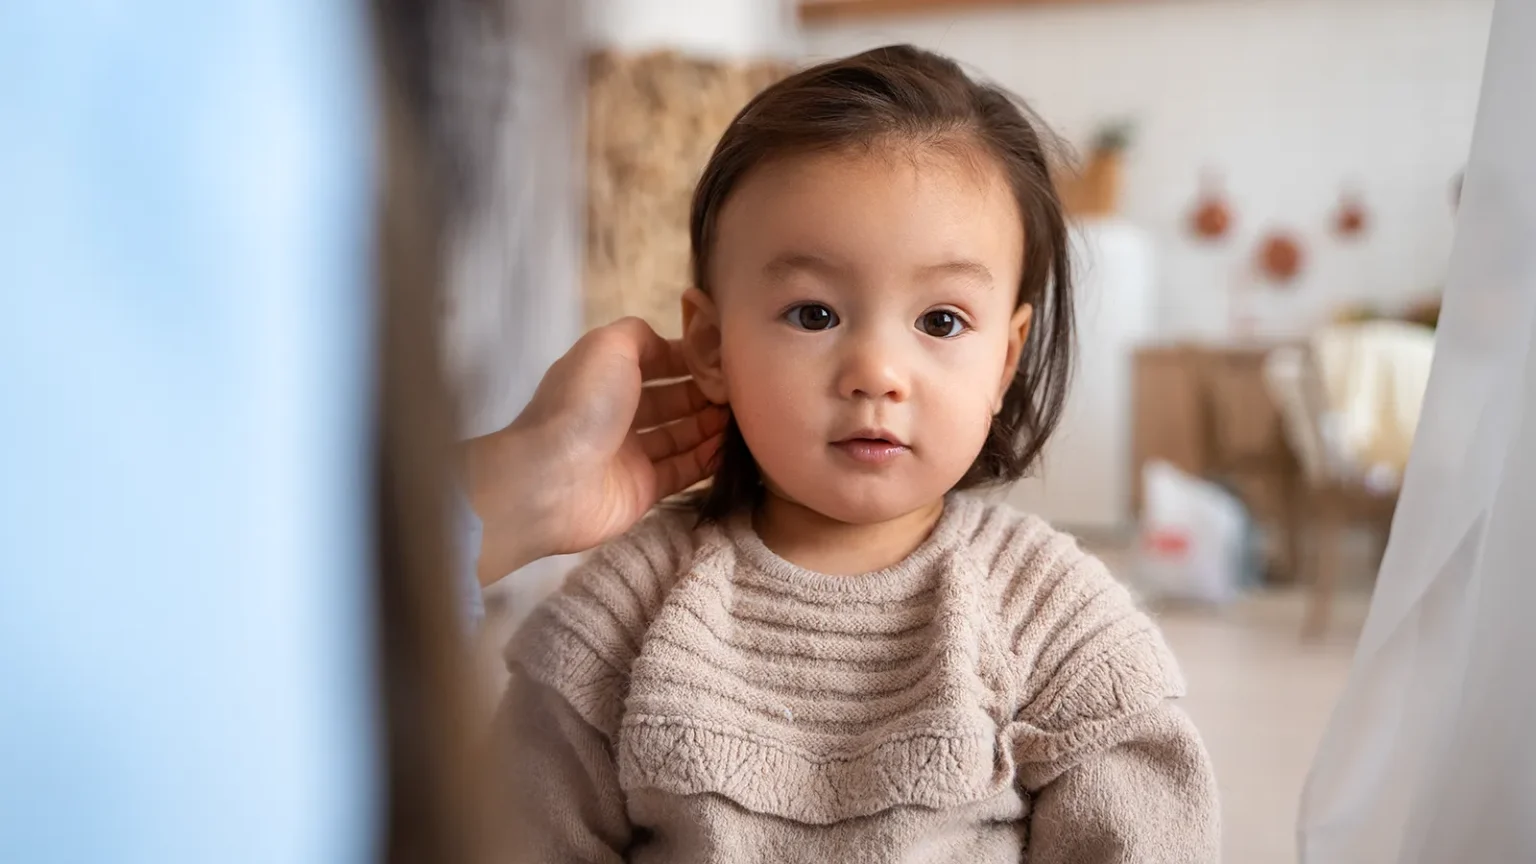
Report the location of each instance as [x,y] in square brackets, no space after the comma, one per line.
[867,511]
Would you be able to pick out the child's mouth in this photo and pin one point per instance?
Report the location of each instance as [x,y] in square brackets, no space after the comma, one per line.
[870,450]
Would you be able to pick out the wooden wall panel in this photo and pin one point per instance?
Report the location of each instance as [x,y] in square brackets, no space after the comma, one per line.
[652,121]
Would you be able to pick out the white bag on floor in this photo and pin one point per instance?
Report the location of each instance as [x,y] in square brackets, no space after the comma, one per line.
[1193,537]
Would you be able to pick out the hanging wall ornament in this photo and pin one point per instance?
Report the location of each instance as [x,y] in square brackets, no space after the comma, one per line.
[1351,220]
[1211,220]
[1280,257]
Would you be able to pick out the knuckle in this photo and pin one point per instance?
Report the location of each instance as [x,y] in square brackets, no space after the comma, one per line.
[621,335]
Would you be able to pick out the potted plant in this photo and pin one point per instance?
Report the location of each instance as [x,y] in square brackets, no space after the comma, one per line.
[1096,190]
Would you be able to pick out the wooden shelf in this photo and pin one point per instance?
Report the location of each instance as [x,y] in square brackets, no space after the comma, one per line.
[828,11]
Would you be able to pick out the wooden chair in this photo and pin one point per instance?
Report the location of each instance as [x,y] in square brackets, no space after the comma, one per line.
[1205,410]
[1336,492]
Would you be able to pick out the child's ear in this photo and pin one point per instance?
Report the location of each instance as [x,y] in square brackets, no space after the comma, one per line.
[701,344]
[1018,334]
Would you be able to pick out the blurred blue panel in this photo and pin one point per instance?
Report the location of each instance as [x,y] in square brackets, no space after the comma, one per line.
[184,393]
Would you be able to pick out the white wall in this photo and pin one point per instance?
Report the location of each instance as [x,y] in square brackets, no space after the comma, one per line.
[1084,480]
[1290,99]
[716,28]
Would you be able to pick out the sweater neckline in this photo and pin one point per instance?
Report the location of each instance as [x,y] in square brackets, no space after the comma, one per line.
[906,577]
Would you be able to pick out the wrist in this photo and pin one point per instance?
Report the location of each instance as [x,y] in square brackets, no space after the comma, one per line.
[505,492]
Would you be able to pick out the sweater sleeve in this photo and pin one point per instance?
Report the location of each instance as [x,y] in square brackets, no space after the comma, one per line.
[570,665]
[1115,772]
[565,804]
[1146,799]
[467,532]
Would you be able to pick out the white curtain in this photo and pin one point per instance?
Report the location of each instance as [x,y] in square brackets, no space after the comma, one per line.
[514,88]
[1429,757]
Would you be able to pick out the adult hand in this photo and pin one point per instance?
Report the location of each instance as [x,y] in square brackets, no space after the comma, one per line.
[593,451]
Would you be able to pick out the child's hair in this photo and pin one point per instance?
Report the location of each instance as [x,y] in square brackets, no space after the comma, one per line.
[902,94]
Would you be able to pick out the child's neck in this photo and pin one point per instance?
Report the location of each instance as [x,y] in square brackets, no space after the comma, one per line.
[808,539]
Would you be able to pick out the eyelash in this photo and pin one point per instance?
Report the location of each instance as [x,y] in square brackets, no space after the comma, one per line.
[791,316]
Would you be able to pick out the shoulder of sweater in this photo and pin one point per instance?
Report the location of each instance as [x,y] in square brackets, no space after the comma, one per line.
[1019,556]
[1080,647]
[583,639]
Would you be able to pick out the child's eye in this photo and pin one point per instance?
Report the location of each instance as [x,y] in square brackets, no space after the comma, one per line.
[811,316]
[941,324]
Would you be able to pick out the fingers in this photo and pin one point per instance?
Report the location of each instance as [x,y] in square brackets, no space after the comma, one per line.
[673,365]
[683,452]
[677,473]
[658,358]
[666,403]
[667,441]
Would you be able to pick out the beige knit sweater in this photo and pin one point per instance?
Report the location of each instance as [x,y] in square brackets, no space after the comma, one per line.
[689,696]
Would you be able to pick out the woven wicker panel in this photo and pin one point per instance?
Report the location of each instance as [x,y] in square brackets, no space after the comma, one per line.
[652,121]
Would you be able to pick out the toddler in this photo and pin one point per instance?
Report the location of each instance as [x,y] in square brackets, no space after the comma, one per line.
[836,653]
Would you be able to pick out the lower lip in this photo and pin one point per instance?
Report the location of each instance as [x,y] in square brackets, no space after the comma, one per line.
[869,451]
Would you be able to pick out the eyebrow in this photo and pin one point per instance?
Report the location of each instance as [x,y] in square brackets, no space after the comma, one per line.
[974,270]
[790,263]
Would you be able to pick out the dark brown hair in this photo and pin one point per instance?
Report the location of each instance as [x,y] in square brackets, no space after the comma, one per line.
[902,94]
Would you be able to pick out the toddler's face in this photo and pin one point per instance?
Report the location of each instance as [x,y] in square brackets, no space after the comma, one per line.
[862,323]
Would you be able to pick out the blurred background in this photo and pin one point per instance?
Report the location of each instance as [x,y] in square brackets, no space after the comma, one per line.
[1265,193]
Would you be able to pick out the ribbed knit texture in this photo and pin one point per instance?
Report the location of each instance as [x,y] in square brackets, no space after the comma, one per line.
[689,696]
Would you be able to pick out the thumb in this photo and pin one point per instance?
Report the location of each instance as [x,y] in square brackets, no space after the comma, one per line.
[601,396]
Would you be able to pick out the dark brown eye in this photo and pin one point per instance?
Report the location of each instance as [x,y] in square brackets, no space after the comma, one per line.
[941,324]
[812,316]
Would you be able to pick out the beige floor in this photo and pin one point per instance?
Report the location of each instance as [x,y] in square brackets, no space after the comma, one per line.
[1260,695]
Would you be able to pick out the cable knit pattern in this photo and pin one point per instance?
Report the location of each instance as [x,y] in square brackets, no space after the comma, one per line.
[991,673]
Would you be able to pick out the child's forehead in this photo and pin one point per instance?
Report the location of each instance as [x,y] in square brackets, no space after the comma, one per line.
[931,214]
[957,161]
[791,265]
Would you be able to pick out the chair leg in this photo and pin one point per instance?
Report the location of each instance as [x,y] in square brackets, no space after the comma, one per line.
[1293,523]
[1328,539]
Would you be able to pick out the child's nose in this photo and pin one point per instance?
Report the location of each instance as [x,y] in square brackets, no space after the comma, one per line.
[873,369]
